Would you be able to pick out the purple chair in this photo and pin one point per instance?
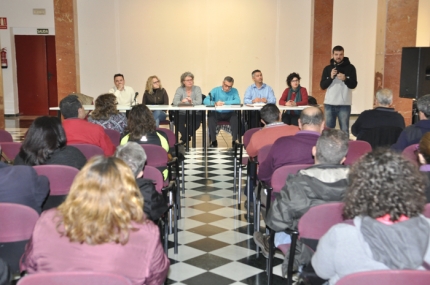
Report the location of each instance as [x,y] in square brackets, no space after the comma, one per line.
[89,150]
[155,175]
[9,150]
[356,150]
[410,153]
[16,227]
[74,278]
[239,160]
[426,211]
[312,226]
[387,277]
[279,177]
[60,180]
[114,136]
[5,136]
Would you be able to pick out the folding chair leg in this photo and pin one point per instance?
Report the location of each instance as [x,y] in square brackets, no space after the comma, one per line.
[294,237]
[183,176]
[257,225]
[178,199]
[175,234]
[234,174]
[248,193]
[166,235]
[240,185]
[170,212]
[270,258]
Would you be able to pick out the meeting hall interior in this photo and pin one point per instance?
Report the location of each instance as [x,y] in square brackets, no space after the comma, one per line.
[54,48]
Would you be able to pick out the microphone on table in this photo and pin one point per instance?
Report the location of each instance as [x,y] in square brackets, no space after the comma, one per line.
[210,98]
[135,96]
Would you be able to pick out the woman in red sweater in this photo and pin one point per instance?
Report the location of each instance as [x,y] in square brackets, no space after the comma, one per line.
[294,95]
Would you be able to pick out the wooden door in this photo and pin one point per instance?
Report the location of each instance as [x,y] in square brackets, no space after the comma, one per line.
[36,74]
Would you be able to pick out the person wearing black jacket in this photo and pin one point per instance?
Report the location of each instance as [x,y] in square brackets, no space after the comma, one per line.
[135,157]
[339,78]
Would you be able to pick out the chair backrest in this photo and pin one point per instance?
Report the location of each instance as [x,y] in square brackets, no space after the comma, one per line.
[114,136]
[263,153]
[156,156]
[356,149]
[5,136]
[383,136]
[155,175]
[74,278]
[17,222]
[281,174]
[60,177]
[319,219]
[426,211]
[247,136]
[89,150]
[410,153]
[170,136]
[387,277]
[10,149]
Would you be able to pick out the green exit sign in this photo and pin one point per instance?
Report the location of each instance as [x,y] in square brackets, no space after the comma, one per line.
[43,31]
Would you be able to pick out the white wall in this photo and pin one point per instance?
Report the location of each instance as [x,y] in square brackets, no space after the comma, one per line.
[423,25]
[354,28]
[21,21]
[212,39]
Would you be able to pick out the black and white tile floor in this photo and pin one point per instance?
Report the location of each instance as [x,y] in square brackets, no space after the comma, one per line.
[215,240]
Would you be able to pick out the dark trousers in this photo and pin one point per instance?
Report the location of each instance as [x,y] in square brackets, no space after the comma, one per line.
[215,117]
[182,124]
[291,118]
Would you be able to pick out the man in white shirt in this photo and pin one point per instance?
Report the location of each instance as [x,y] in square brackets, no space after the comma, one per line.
[124,94]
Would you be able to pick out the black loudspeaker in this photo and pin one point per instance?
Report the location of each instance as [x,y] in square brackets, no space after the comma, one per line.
[415,72]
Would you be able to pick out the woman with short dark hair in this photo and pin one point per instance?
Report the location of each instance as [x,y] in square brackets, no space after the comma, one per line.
[294,95]
[45,143]
[106,114]
[385,199]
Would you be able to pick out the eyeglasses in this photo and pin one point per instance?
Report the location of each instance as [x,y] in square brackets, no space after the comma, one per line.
[227,86]
[188,80]
[155,82]
[295,80]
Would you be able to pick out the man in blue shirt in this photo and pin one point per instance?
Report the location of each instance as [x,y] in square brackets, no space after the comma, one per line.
[259,92]
[219,96]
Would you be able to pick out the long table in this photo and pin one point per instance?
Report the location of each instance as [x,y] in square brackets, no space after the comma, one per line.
[193,109]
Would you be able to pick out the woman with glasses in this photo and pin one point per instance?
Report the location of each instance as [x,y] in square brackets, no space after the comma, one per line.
[188,93]
[294,95]
[106,115]
[155,94]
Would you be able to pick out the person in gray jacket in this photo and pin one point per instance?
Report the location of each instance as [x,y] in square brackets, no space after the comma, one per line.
[324,182]
[187,93]
[385,199]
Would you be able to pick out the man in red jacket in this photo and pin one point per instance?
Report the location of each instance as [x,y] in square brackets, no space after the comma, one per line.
[78,130]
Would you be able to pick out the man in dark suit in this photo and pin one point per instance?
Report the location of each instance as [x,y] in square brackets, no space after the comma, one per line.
[21,185]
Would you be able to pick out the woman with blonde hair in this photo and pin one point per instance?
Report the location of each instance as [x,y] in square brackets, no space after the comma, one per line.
[99,227]
[155,94]
[106,115]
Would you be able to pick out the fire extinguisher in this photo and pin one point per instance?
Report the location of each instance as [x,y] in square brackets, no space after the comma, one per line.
[3,58]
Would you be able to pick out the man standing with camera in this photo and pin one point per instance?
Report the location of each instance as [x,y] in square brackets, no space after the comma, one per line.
[339,78]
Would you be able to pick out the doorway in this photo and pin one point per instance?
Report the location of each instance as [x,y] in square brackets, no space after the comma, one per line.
[36,74]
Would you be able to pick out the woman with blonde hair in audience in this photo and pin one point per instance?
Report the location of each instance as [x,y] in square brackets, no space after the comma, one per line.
[99,227]
[385,199]
[45,143]
[155,94]
[106,114]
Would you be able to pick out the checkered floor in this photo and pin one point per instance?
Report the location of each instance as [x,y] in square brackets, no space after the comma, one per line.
[215,241]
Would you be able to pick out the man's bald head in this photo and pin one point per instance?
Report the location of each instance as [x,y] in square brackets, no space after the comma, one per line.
[312,119]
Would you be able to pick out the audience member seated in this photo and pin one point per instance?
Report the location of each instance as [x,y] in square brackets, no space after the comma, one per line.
[294,95]
[20,184]
[45,143]
[79,130]
[295,149]
[106,115]
[99,227]
[187,93]
[273,129]
[412,134]
[424,159]
[155,94]
[324,182]
[135,157]
[382,116]
[220,96]
[385,199]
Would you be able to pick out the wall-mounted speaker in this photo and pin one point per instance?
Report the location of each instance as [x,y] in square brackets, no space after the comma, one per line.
[415,72]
